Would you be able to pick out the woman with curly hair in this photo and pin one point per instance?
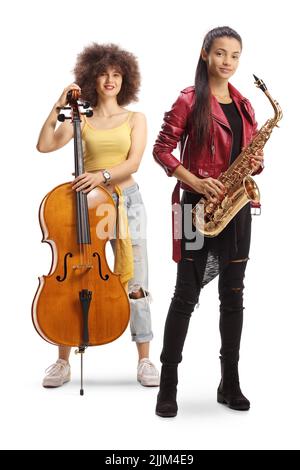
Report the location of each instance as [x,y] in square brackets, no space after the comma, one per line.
[114,140]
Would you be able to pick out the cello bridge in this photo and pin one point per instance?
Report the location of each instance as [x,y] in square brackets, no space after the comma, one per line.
[82,266]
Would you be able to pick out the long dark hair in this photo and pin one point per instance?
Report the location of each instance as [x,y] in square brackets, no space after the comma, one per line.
[201,113]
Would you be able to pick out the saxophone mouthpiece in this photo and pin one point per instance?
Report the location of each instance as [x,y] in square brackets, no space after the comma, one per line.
[259,83]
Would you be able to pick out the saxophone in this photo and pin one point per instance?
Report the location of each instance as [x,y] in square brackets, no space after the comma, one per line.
[211,218]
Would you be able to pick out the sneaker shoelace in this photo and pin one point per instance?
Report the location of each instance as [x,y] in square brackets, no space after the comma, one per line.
[54,369]
[146,364]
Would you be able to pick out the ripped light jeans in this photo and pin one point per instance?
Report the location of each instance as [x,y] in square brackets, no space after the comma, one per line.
[140,315]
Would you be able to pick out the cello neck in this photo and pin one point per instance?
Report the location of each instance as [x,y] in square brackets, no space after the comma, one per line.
[78,149]
[82,219]
[83,223]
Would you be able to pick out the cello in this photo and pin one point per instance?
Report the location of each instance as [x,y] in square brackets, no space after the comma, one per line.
[81,302]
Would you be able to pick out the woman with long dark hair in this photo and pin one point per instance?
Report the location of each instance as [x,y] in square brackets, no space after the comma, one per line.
[114,140]
[213,122]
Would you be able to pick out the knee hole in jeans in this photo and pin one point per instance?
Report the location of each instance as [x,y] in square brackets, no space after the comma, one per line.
[138,294]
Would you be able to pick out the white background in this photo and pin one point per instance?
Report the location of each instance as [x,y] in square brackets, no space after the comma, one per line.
[40,41]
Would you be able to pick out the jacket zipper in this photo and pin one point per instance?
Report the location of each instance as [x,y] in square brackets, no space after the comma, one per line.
[212,147]
[183,151]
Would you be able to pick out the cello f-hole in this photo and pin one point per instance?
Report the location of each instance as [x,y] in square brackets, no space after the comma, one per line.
[59,278]
[106,277]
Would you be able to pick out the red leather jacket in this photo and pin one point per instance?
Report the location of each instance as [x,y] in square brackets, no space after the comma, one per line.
[214,157]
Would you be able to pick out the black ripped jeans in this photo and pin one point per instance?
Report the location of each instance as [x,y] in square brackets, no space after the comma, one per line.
[189,280]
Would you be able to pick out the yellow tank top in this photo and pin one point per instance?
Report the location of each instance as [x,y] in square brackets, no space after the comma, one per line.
[105,148]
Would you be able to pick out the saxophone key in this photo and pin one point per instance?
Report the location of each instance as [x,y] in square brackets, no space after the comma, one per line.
[218,214]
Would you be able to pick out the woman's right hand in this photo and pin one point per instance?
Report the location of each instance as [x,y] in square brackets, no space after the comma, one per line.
[62,100]
[212,189]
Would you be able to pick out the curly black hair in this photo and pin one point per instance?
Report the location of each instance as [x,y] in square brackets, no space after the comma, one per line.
[95,59]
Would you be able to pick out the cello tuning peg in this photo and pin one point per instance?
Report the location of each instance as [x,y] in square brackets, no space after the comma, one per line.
[88,113]
[62,117]
[85,104]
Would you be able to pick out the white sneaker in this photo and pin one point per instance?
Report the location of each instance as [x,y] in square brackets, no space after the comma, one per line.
[57,374]
[147,374]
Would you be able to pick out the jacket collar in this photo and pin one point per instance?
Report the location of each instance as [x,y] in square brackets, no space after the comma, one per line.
[235,93]
[239,100]
[217,112]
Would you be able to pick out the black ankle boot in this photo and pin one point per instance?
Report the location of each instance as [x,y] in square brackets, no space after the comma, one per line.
[229,392]
[166,406]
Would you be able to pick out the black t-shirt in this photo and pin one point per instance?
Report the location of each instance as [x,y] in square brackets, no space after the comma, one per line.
[235,121]
[234,241]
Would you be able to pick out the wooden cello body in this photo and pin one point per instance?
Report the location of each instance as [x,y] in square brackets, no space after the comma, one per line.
[81,302]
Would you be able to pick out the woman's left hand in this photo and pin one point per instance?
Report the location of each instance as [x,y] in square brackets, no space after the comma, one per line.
[87,181]
[257,160]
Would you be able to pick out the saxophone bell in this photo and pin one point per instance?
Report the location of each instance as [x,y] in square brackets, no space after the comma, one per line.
[251,189]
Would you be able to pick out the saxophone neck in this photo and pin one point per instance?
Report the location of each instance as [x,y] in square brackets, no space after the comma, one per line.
[277,109]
